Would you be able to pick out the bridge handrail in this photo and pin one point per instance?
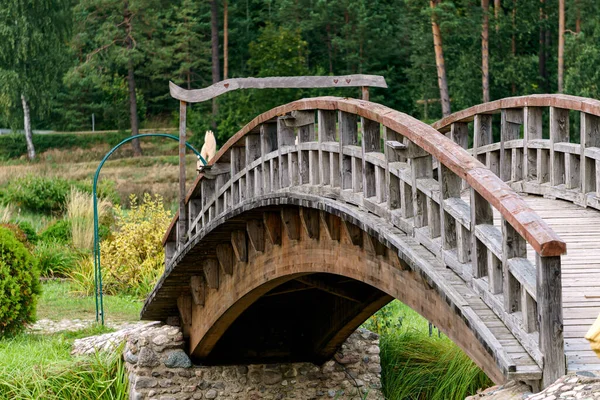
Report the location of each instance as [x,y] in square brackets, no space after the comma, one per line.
[530,226]
[555,166]
[280,149]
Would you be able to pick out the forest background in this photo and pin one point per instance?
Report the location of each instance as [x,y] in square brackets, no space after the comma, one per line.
[64,60]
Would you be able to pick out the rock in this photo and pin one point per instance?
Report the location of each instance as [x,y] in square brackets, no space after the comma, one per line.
[373,349]
[177,359]
[272,377]
[161,340]
[131,358]
[147,358]
[145,383]
[211,394]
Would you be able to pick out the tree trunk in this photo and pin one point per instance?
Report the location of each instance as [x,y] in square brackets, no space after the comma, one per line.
[27,128]
[485,54]
[514,43]
[578,16]
[497,7]
[328,30]
[214,40]
[542,51]
[561,43]
[133,115]
[439,61]
[225,41]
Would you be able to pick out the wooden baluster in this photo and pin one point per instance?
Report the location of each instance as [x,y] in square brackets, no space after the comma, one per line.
[348,137]
[371,142]
[533,169]
[253,150]
[238,162]
[194,209]
[482,135]
[550,315]
[510,129]
[449,188]
[481,213]
[559,133]
[327,134]
[268,143]
[513,245]
[285,137]
[207,194]
[392,155]
[306,133]
[459,133]
[590,137]
[421,166]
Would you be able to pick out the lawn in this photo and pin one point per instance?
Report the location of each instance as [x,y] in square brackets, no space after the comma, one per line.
[58,302]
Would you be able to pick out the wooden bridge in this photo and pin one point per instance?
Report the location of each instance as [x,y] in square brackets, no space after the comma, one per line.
[319,212]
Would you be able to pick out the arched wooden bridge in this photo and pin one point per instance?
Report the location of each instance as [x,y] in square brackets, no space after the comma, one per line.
[319,212]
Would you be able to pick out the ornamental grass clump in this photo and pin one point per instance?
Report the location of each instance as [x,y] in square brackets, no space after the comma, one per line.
[80,212]
[133,257]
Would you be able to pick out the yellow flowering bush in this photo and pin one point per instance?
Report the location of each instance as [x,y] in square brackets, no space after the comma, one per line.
[133,257]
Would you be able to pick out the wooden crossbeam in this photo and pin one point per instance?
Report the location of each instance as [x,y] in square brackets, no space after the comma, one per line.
[317,284]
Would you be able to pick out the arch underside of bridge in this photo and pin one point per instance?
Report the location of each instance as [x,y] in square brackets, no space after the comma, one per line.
[305,272]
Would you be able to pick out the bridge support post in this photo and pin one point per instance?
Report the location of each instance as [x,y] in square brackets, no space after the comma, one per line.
[550,314]
[182,223]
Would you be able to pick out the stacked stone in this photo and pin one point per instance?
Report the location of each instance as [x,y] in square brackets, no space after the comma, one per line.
[160,369]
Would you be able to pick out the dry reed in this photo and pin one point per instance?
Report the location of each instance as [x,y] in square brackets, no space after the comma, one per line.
[80,212]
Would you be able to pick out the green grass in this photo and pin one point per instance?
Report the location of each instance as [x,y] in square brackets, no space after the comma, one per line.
[57,302]
[418,366]
[41,367]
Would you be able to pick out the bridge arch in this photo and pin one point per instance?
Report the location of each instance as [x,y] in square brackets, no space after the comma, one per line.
[298,166]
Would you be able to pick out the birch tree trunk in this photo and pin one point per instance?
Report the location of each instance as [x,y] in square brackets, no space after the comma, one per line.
[439,61]
[27,128]
[485,54]
[561,43]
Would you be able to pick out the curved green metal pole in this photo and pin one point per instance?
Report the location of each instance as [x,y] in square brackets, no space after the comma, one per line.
[97,270]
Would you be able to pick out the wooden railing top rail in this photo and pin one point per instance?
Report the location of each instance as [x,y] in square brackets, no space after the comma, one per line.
[512,207]
[574,103]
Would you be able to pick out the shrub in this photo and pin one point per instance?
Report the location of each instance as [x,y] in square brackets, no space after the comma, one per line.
[29,231]
[133,258]
[19,284]
[55,259]
[17,233]
[37,193]
[60,232]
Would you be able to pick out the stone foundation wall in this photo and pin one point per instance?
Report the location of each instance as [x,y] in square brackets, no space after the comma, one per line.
[160,369]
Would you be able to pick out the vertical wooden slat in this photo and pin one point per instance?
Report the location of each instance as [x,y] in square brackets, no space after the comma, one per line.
[510,129]
[590,137]
[532,131]
[559,133]
[420,167]
[348,137]
[482,134]
[550,314]
[268,143]
[371,142]
[285,137]
[450,185]
[481,213]
[327,133]
[513,246]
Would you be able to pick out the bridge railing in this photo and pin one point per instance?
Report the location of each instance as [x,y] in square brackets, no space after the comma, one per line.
[548,144]
[401,169]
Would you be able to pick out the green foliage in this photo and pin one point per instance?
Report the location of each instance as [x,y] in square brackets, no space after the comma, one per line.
[55,259]
[58,232]
[47,195]
[19,284]
[29,231]
[417,365]
[36,193]
[32,53]
[133,257]
[14,145]
[40,366]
